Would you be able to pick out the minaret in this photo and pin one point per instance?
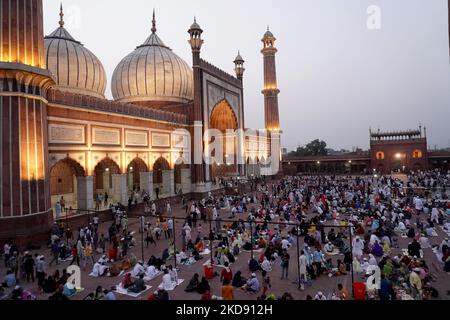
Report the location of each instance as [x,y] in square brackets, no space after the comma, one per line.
[270,91]
[198,167]
[25,210]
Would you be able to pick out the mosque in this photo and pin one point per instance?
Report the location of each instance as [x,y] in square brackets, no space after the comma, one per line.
[60,136]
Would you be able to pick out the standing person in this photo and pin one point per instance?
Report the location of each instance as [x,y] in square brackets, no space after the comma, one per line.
[285,264]
[226,273]
[62,202]
[168,208]
[157,192]
[96,221]
[6,252]
[227,290]
[265,282]
[106,199]
[55,252]
[303,263]
[416,284]
[13,263]
[170,227]
[165,227]
[29,267]
[40,270]
[75,256]
[88,254]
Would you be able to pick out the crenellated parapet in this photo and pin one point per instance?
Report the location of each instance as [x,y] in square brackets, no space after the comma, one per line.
[219,73]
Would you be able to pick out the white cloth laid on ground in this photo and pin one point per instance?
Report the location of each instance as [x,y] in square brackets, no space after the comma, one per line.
[119,289]
[205,252]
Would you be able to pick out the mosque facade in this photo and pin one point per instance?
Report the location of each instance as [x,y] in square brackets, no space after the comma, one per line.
[60,136]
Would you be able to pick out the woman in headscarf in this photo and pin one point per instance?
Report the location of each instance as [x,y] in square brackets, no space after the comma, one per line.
[193,283]
[203,286]
[238,280]
[372,260]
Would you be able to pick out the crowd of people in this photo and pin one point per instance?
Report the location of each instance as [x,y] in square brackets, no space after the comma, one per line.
[334,225]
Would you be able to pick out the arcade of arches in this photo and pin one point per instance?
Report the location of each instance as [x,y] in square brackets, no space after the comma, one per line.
[68,180]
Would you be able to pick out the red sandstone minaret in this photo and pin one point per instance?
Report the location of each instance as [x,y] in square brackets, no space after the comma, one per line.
[25,209]
[196,42]
[270,91]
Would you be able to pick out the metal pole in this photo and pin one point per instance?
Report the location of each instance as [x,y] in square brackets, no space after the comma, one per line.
[211,237]
[67,228]
[251,237]
[298,256]
[142,226]
[174,243]
[351,256]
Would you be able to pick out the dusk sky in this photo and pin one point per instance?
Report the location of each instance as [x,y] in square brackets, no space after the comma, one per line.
[337,77]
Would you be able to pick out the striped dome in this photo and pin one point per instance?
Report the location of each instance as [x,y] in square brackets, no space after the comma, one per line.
[152,73]
[76,69]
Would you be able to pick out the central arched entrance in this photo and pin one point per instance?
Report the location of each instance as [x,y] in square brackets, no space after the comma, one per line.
[63,184]
[223,118]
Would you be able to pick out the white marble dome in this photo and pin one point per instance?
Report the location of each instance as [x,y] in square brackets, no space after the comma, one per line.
[75,68]
[152,73]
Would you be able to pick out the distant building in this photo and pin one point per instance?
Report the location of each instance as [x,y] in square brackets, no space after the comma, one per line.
[399,151]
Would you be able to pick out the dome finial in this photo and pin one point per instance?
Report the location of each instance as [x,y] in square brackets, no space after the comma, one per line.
[154,22]
[61,16]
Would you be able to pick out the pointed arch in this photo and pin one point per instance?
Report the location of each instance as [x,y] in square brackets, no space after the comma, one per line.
[159,166]
[105,166]
[62,175]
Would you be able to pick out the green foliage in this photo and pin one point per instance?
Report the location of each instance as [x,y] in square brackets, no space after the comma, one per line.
[314,148]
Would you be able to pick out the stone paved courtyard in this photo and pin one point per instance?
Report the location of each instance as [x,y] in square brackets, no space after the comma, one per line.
[323,283]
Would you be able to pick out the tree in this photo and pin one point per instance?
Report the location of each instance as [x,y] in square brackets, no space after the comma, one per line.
[314,148]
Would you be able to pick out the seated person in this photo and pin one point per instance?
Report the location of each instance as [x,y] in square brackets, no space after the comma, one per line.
[69,289]
[114,271]
[193,283]
[252,284]
[126,264]
[127,281]
[253,265]
[329,247]
[266,265]
[377,249]
[200,246]
[262,243]
[167,283]
[10,279]
[181,257]
[138,286]
[173,274]
[138,270]
[49,285]
[238,280]
[151,272]
[203,286]
[235,249]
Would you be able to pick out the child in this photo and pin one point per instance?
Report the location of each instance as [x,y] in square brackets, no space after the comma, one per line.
[266,282]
